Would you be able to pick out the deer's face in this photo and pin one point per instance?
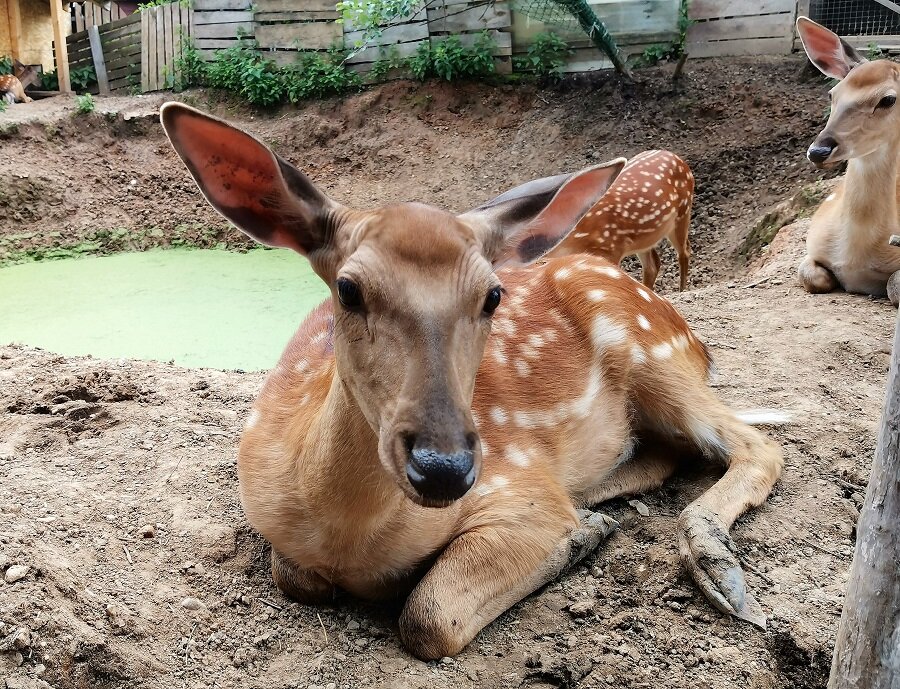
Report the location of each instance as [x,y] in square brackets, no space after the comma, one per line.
[413,287]
[413,299]
[863,115]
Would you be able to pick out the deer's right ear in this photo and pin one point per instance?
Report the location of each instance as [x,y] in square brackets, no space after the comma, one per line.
[831,54]
[263,195]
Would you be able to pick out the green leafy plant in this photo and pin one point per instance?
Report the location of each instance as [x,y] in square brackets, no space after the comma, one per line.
[49,82]
[243,70]
[450,60]
[318,76]
[84,104]
[546,55]
[371,17]
[669,51]
[82,78]
[3,105]
[6,65]
[873,51]
[190,68]
[387,62]
[159,3]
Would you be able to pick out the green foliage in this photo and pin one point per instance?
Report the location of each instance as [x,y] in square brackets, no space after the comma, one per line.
[450,60]
[546,55]
[6,65]
[3,105]
[84,104]
[371,17]
[387,62]
[242,70]
[159,3]
[873,51]
[49,82]
[82,78]
[190,68]
[317,76]
[669,51]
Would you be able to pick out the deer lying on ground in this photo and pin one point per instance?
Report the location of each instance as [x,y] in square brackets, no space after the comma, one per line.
[650,200]
[12,86]
[847,245]
[435,424]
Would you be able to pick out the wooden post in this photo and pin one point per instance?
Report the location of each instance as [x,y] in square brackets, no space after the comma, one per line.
[867,652]
[59,39]
[15,28]
[99,62]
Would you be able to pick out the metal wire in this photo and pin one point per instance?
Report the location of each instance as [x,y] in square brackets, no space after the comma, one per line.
[855,17]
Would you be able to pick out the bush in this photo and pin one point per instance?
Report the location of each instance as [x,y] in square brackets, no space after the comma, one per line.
[546,55]
[244,71]
[6,65]
[451,60]
[190,69]
[386,63]
[317,76]
[84,104]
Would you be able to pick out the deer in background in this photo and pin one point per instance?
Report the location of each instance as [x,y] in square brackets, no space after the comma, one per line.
[432,428]
[649,201]
[847,245]
[12,86]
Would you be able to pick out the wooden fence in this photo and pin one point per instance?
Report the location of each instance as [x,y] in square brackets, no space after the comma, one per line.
[166,32]
[113,50]
[85,14]
[739,27]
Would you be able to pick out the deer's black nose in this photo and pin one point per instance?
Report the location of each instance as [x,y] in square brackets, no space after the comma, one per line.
[440,476]
[821,150]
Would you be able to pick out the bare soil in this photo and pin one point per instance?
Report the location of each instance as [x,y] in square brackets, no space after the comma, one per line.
[118,488]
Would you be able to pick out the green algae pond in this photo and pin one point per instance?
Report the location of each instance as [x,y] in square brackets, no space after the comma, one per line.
[198,308]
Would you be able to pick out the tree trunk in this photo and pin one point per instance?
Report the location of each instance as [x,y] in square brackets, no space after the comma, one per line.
[867,652]
[598,33]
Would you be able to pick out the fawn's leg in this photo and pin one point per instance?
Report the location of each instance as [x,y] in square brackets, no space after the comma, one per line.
[302,585]
[754,464]
[646,471]
[682,243]
[649,266]
[816,278]
[487,570]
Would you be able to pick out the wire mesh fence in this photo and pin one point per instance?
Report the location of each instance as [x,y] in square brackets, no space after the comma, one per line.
[855,17]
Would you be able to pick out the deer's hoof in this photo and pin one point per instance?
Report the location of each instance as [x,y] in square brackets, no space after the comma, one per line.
[708,553]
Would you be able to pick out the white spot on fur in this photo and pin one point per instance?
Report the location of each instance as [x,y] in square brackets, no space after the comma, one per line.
[302,366]
[522,367]
[562,273]
[499,415]
[643,322]
[518,457]
[644,293]
[579,235]
[536,340]
[609,271]
[492,485]
[661,351]
[253,418]
[578,408]
[499,356]
[596,295]
[765,417]
[605,333]
[831,197]
[638,355]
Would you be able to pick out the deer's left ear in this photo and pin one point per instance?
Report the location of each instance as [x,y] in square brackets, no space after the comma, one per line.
[830,53]
[526,222]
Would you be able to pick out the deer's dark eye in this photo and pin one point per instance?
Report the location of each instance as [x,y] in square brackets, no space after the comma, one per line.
[886,102]
[349,294]
[492,301]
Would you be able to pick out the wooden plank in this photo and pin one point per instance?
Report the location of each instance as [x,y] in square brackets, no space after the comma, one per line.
[223,17]
[263,17]
[708,9]
[374,53]
[170,44]
[154,58]
[99,62]
[399,33]
[214,5]
[313,35]
[122,61]
[131,30]
[128,21]
[750,46]
[78,13]
[502,41]
[14,13]
[222,30]
[447,20]
[160,49]
[767,26]
[59,20]
[295,6]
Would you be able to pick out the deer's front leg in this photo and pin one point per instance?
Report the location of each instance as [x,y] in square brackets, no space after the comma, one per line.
[302,585]
[486,571]
[816,278]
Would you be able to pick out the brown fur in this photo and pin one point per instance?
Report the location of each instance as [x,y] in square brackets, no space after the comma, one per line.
[649,201]
[15,83]
[578,366]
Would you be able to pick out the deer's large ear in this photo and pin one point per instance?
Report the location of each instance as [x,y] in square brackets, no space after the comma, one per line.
[526,222]
[263,195]
[831,54]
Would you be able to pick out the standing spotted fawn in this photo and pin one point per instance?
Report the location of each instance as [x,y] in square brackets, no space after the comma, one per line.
[432,429]
[847,245]
[649,201]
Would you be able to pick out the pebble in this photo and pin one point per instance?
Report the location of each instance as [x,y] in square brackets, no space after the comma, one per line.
[571,641]
[148,531]
[352,626]
[192,603]
[16,572]
[641,508]
[446,660]
[361,642]
[582,608]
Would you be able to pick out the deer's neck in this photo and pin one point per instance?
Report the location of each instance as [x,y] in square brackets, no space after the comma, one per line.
[343,472]
[870,190]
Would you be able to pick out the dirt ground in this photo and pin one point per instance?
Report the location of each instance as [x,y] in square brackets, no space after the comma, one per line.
[118,489]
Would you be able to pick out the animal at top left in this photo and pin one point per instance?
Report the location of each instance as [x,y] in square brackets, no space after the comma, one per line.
[12,86]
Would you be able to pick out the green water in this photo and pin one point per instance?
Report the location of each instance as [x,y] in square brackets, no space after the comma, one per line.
[199,308]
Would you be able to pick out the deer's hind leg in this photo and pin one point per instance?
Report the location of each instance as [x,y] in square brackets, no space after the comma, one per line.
[647,470]
[754,464]
[650,263]
[681,241]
